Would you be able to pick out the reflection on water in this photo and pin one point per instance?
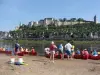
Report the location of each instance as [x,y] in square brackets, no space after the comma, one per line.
[40,47]
[7,45]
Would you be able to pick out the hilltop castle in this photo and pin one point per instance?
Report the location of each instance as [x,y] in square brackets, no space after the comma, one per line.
[59,22]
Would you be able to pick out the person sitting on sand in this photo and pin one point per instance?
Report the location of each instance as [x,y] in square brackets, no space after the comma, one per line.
[95,53]
[53,47]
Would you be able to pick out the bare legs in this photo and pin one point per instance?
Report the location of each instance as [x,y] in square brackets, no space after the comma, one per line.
[67,56]
[52,56]
[62,56]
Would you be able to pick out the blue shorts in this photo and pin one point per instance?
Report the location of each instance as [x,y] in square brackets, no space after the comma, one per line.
[68,52]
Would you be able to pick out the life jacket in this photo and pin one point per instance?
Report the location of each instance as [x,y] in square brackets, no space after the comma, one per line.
[60,46]
[33,50]
[52,47]
[78,52]
[95,53]
[86,53]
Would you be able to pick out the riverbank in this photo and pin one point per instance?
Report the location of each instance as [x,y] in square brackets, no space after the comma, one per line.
[39,45]
[48,42]
[43,66]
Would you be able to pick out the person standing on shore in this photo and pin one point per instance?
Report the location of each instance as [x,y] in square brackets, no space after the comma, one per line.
[16,48]
[68,47]
[60,48]
[72,51]
[53,47]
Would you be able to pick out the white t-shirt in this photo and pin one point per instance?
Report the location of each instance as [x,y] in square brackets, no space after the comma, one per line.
[47,50]
[68,46]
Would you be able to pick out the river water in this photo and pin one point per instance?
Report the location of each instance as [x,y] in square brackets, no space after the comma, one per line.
[7,45]
[10,46]
[40,48]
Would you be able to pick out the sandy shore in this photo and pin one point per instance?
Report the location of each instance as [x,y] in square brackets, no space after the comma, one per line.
[38,65]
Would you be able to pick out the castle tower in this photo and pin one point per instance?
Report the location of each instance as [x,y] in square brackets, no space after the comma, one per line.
[20,24]
[95,19]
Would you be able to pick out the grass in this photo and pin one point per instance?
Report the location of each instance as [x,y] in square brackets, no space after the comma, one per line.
[48,42]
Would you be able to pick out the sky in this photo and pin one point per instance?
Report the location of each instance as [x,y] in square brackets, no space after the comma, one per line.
[12,12]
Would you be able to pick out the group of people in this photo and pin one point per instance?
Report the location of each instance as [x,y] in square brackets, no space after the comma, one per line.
[86,52]
[68,48]
[19,49]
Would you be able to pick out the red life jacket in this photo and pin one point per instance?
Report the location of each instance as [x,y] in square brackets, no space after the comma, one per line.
[33,50]
[86,53]
[52,47]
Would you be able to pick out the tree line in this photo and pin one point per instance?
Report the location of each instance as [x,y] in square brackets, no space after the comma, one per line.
[78,31]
